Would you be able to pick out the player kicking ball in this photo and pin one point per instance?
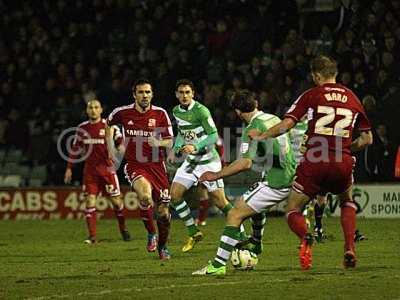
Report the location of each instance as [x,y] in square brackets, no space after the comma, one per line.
[148,133]
[276,160]
[98,173]
[334,111]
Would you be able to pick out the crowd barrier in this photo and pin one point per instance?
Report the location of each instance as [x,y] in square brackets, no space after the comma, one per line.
[375,201]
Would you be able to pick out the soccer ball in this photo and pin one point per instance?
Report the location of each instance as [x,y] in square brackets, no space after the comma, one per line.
[243,259]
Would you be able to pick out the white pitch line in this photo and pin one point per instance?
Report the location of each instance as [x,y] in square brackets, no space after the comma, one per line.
[172,286]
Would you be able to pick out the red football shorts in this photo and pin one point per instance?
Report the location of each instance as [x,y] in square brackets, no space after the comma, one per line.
[155,173]
[319,178]
[102,179]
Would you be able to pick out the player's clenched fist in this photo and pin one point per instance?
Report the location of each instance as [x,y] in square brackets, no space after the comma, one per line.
[188,149]
[153,142]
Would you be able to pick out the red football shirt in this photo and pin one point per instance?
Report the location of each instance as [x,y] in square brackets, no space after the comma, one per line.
[333,111]
[137,127]
[89,143]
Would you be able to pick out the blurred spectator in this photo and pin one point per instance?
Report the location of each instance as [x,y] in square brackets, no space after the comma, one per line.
[16,132]
[369,103]
[243,42]
[385,153]
[219,38]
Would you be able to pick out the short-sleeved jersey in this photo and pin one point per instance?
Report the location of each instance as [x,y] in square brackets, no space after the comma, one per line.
[273,156]
[138,127]
[194,125]
[90,143]
[333,111]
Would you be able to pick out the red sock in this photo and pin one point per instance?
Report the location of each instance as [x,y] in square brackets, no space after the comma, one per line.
[147,217]
[203,209]
[163,225]
[90,214]
[119,214]
[348,220]
[297,223]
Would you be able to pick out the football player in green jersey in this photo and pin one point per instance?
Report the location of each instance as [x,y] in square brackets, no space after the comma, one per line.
[275,158]
[196,138]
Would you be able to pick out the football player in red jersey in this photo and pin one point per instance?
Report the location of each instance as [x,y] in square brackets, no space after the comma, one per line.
[333,112]
[148,133]
[98,175]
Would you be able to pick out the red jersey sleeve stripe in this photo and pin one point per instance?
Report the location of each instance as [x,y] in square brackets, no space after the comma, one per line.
[111,116]
[291,116]
[169,128]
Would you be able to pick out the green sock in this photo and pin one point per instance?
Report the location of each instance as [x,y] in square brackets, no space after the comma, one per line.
[227,208]
[257,224]
[230,237]
[185,215]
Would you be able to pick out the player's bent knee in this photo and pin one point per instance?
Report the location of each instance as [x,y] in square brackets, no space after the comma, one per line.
[162,209]
[145,201]
[116,201]
[142,187]
[177,191]
[234,216]
[345,197]
[296,201]
[218,198]
[163,217]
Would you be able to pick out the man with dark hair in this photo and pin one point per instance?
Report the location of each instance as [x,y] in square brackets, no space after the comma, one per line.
[276,161]
[148,133]
[197,136]
[333,111]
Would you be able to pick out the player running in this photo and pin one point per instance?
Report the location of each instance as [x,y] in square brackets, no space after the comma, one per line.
[196,138]
[98,174]
[148,133]
[276,160]
[334,111]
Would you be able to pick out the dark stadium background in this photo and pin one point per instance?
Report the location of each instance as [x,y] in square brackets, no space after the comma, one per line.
[57,55]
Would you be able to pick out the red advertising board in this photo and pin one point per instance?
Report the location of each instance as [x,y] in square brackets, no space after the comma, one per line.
[57,203]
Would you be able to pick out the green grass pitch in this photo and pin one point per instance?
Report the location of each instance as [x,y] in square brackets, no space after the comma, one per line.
[48,260]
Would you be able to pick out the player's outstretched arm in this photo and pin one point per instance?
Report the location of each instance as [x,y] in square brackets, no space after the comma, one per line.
[235,167]
[362,141]
[282,127]
[155,142]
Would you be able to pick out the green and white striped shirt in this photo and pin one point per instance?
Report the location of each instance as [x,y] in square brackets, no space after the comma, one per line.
[194,125]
